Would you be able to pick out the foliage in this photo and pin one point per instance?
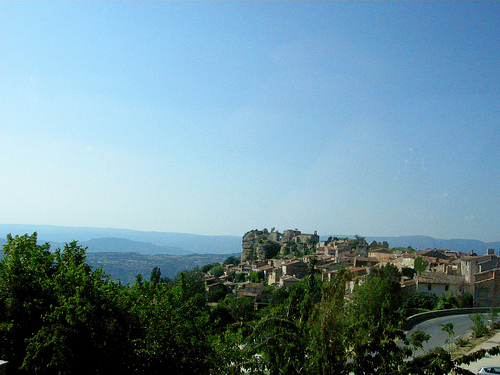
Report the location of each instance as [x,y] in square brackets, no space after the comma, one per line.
[256,276]
[232,260]
[60,316]
[493,316]
[420,264]
[272,249]
[408,272]
[427,301]
[217,271]
[465,300]
[449,328]
[217,293]
[417,340]
[447,301]
[478,326]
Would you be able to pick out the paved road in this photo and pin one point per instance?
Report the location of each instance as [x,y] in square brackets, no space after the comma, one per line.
[433,327]
[461,324]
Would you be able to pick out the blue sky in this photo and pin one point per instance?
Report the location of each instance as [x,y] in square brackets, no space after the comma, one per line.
[375,118]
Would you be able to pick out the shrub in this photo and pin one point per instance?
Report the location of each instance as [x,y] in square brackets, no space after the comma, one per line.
[479,327]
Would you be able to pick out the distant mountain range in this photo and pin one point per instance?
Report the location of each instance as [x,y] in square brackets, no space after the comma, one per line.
[107,240]
[125,240]
[426,242]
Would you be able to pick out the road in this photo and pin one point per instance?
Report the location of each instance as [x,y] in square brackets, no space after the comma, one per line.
[433,327]
[461,324]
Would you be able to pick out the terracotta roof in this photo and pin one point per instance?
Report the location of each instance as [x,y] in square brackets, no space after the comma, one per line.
[439,278]
[263,268]
[254,285]
[290,278]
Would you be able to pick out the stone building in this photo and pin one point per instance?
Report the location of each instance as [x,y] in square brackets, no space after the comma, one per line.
[487,288]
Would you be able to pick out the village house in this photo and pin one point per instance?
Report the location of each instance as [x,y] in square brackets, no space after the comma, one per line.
[438,283]
[469,265]
[379,253]
[296,268]
[251,290]
[273,275]
[265,269]
[365,261]
[304,238]
[405,260]
[487,288]
[287,281]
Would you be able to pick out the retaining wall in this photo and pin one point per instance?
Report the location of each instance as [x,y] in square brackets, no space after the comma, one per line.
[418,318]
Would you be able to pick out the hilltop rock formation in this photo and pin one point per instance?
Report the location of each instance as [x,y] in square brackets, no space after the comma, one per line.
[262,244]
[253,248]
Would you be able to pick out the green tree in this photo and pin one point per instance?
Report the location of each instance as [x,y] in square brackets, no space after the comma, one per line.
[420,264]
[155,275]
[493,316]
[26,270]
[232,260]
[58,312]
[216,271]
[256,276]
[328,341]
[449,329]
[417,340]
[374,320]
[478,326]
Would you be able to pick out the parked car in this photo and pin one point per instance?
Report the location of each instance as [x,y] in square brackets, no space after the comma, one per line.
[489,370]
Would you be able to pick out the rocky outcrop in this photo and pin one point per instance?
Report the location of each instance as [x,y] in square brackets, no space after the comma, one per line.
[250,246]
[262,244]
[259,245]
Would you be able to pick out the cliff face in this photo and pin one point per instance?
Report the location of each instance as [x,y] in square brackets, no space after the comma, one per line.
[261,244]
[251,248]
[256,245]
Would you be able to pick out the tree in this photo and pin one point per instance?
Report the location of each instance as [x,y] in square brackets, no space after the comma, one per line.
[478,326]
[256,276]
[271,249]
[217,271]
[155,275]
[58,312]
[328,342]
[417,340]
[25,294]
[189,283]
[232,260]
[449,329]
[493,316]
[374,318]
[420,264]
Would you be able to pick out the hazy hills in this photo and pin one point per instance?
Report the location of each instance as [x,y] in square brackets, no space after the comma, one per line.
[426,242]
[124,240]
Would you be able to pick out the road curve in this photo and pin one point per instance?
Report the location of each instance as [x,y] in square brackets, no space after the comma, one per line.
[433,327]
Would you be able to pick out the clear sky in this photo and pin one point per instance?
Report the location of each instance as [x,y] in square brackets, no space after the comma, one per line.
[375,118]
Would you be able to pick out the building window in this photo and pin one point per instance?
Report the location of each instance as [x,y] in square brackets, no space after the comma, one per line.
[429,287]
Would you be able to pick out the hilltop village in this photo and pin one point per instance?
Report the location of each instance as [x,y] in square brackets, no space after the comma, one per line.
[272,260]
